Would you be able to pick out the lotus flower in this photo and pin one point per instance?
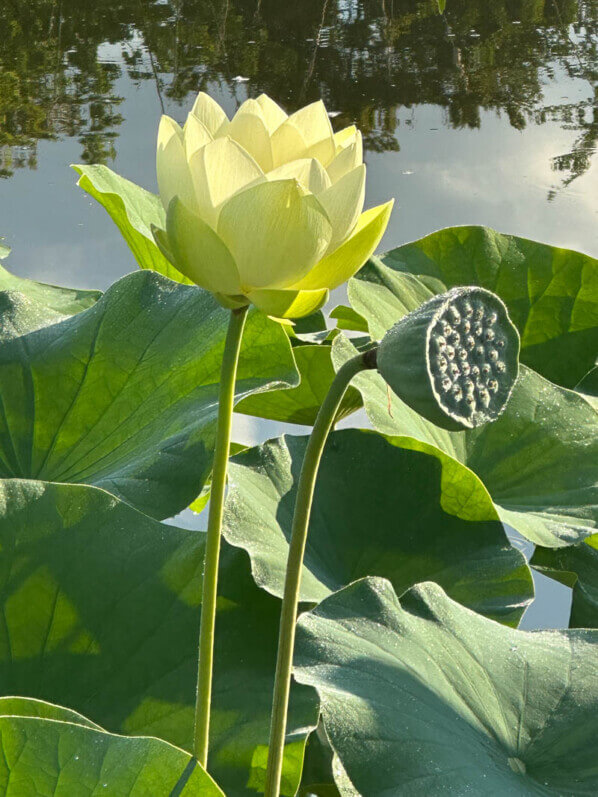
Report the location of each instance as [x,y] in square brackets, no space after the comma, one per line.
[265,208]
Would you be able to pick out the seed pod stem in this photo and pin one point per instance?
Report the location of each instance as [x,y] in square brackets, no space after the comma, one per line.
[292,586]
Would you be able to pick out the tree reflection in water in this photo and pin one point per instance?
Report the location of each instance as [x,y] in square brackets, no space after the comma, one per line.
[366,58]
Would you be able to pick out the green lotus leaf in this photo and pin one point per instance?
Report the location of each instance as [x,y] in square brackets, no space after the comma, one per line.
[29,707]
[124,395]
[575,566]
[454,360]
[348,319]
[101,614]
[421,696]
[303,328]
[378,509]
[46,756]
[134,210]
[26,305]
[301,404]
[538,461]
[323,773]
[4,250]
[551,293]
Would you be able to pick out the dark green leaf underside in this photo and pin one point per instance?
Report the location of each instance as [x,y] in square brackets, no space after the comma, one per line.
[101,614]
[424,697]
[379,509]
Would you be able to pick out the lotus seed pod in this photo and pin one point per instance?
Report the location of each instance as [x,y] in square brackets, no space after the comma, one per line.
[456,386]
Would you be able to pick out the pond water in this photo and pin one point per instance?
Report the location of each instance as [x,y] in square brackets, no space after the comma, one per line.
[486,114]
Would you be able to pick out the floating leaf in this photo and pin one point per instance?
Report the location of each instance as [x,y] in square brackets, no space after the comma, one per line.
[551,293]
[101,613]
[378,509]
[124,396]
[424,697]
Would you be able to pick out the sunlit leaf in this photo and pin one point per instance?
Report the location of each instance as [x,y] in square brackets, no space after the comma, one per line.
[551,293]
[133,210]
[421,696]
[46,756]
[379,509]
[29,707]
[26,305]
[347,318]
[124,395]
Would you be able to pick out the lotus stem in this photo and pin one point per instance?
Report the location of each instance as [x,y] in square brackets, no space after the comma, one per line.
[226,399]
[288,616]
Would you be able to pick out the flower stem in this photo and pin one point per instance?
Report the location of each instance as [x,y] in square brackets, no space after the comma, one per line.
[228,375]
[290,601]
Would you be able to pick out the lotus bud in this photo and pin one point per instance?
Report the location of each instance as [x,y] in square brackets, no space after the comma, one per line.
[265,208]
[455,359]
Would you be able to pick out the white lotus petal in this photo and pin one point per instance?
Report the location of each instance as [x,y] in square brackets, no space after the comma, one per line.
[275,233]
[210,114]
[308,171]
[313,123]
[273,114]
[198,252]
[287,145]
[343,202]
[219,170]
[196,135]
[249,129]
[171,165]
[345,161]
[345,136]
